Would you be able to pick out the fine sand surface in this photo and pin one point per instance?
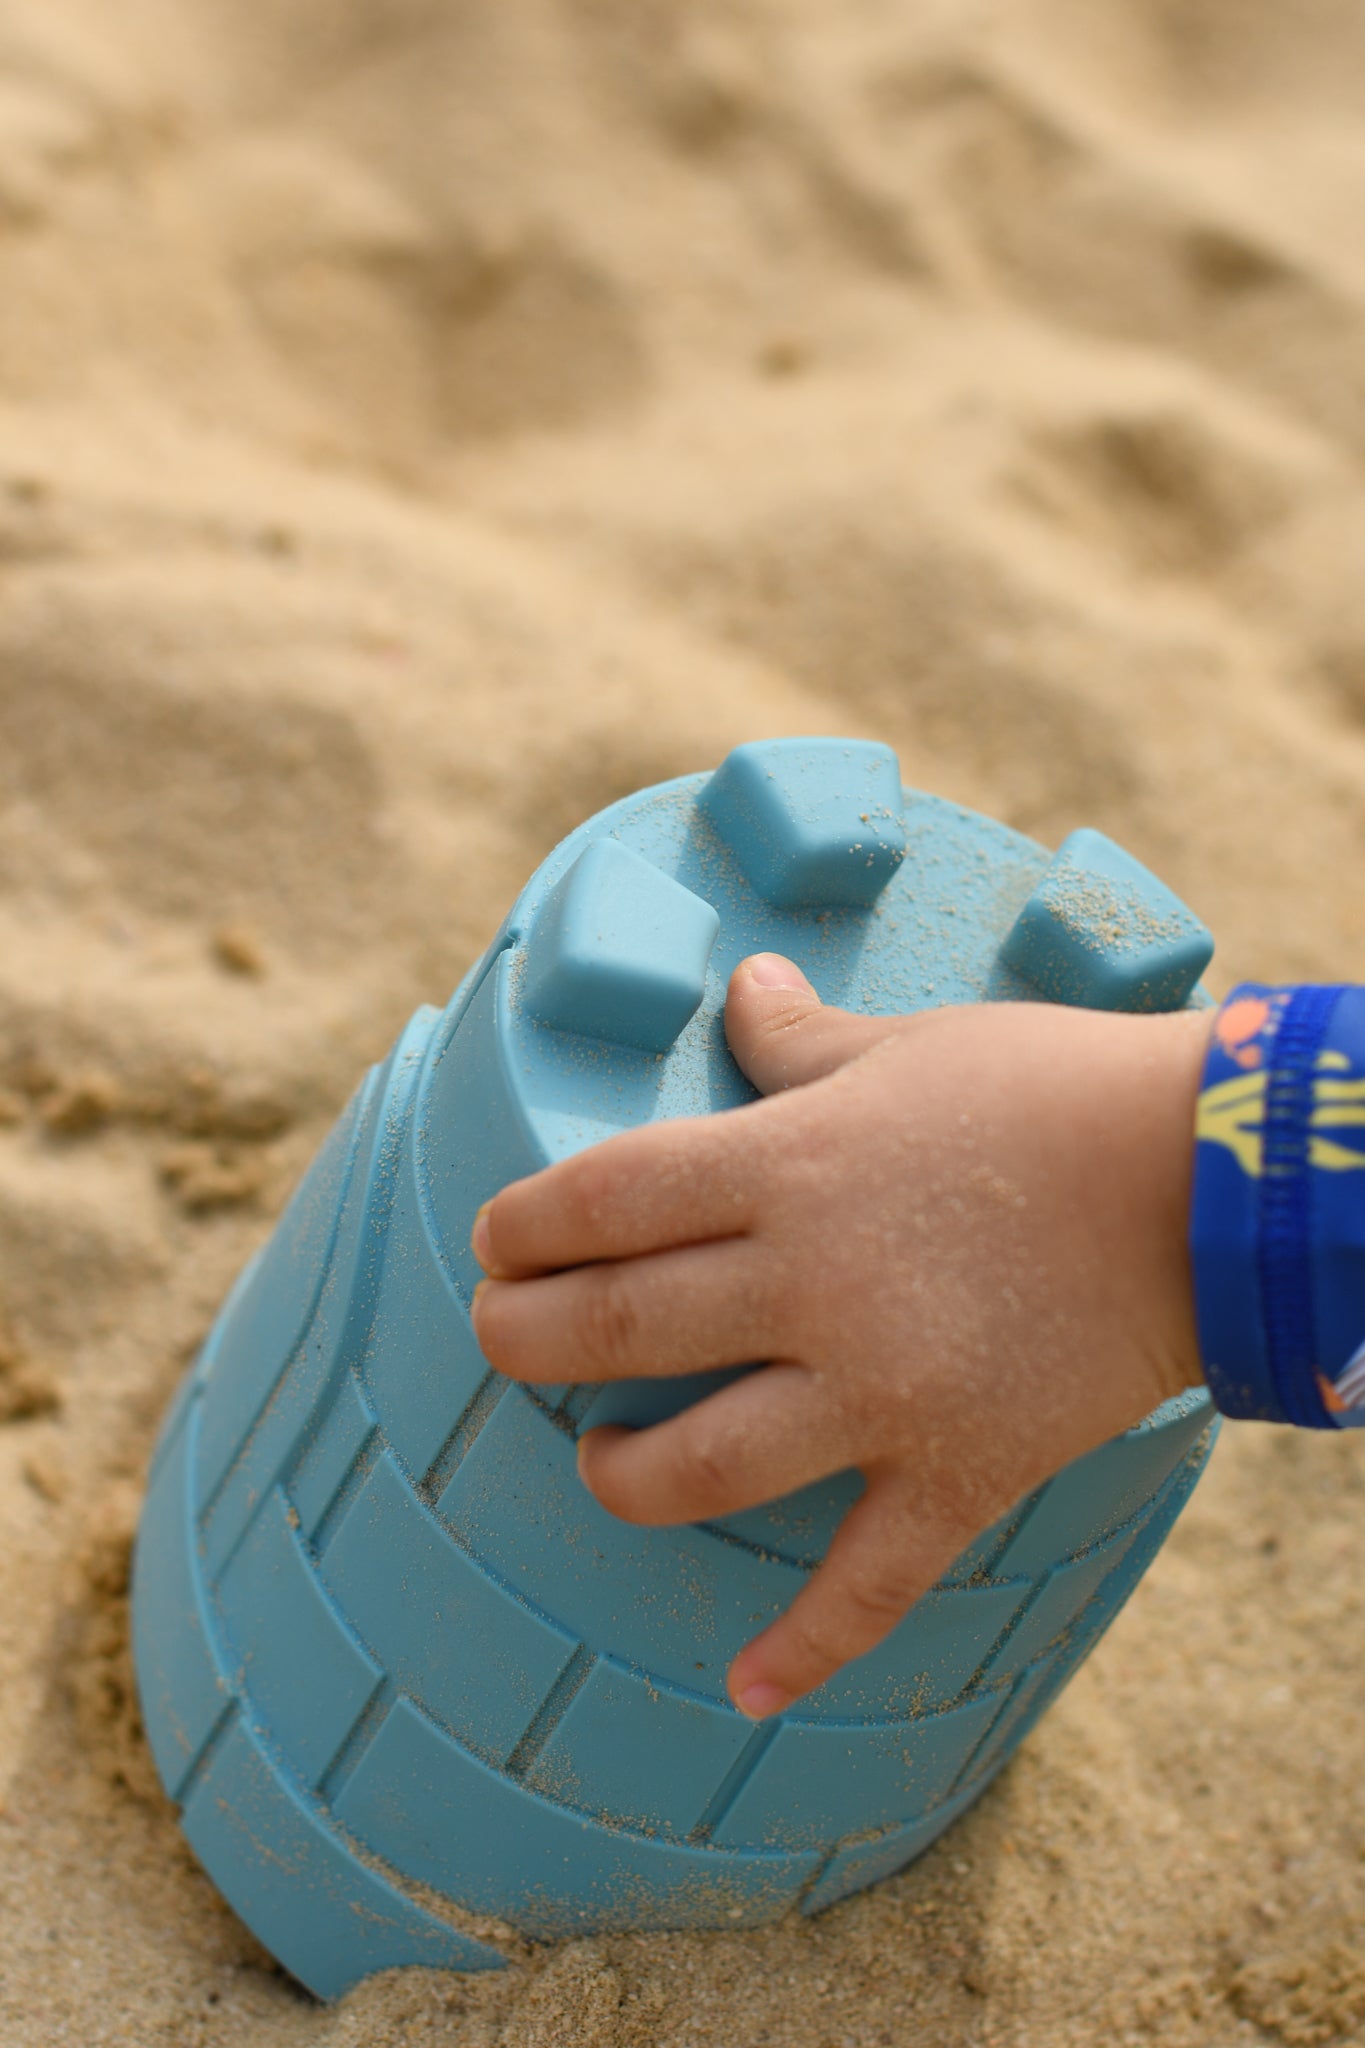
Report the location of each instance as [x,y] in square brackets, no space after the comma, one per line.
[421,422]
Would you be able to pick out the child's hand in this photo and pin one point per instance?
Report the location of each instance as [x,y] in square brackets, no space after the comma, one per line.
[960,1237]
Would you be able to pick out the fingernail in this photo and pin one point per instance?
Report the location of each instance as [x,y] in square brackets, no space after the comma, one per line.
[481,1288]
[479,1235]
[771,970]
[758,1701]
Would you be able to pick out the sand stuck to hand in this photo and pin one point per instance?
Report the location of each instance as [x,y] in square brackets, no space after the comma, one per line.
[422,422]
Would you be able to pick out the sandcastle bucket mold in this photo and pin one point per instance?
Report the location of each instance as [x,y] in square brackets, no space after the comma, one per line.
[394,1659]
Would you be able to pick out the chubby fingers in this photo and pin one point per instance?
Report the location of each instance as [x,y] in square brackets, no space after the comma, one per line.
[880,1562]
[757,1438]
[687,1310]
[671,1183]
[781,1033]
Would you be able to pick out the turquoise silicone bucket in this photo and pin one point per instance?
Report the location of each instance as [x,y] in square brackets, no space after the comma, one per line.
[397,1667]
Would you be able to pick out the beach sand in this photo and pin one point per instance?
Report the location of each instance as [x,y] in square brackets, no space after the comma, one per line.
[421,423]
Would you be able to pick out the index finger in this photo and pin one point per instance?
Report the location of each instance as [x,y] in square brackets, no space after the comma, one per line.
[683,1182]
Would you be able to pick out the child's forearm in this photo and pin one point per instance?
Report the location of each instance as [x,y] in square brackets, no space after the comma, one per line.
[1278,1227]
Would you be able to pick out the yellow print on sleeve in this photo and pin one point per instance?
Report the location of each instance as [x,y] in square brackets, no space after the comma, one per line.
[1232,1113]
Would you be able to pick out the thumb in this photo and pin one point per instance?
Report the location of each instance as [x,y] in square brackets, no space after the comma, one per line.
[781,1033]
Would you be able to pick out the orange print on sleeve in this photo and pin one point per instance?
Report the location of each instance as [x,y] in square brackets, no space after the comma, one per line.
[1240,1024]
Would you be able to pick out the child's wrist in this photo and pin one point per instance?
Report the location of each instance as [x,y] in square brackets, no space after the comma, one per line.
[1168,1122]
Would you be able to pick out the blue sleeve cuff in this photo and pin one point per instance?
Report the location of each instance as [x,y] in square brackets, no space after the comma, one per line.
[1277,1228]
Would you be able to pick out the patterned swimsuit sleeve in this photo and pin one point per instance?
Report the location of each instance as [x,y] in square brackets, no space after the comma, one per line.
[1277,1230]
